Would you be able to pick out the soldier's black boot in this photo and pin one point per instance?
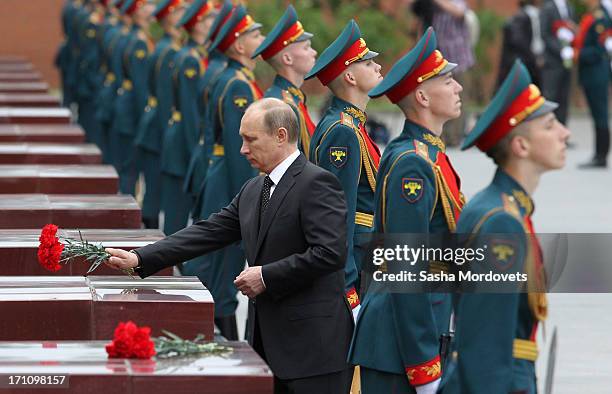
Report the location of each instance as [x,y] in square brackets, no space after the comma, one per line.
[602,146]
[228,327]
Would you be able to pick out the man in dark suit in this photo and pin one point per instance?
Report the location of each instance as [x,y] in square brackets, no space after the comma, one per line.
[517,43]
[558,31]
[292,222]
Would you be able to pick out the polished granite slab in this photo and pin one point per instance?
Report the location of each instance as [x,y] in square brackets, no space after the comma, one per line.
[49,153]
[13,59]
[20,76]
[28,100]
[33,115]
[20,211]
[21,87]
[238,372]
[83,308]
[18,250]
[58,179]
[177,304]
[53,133]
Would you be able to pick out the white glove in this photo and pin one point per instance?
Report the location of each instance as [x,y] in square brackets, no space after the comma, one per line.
[356,312]
[565,34]
[608,44]
[429,388]
[567,53]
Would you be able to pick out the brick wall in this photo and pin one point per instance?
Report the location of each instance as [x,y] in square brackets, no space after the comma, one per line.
[32,28]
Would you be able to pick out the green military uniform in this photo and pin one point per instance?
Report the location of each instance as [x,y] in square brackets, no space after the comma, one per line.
[594,75]
[113,84]
[88,78]
[341,145]
[200,156]
[155,117]
[288,30]
[417,192]
[130,101]
[234,90]
[110,37]
[495,338]
[180,137]
[64,59]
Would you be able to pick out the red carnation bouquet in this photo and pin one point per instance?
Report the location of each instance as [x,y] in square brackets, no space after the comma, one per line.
[131,341]
[53,252]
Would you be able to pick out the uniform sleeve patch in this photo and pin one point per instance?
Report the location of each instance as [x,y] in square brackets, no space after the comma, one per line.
[502,253]
[140,53]
[338,155]
[190,73]
[412,189]
[241,102]
[91,33]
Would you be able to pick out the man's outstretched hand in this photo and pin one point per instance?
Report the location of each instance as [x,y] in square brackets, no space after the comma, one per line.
[121,259]
[249,282]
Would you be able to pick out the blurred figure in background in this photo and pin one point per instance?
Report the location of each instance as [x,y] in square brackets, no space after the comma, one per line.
[521,40]
[449,22]
[558,32]
[593,45]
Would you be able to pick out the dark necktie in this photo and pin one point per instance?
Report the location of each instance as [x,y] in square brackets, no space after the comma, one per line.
[265,194]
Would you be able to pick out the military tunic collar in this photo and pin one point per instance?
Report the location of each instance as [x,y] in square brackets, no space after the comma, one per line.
[285,84]
[511,187]
[415,131]
[344,106]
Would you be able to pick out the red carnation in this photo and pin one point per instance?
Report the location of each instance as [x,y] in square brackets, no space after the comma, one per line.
[131,341]
[50,249]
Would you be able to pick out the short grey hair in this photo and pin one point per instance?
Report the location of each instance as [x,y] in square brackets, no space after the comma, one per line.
[277,114]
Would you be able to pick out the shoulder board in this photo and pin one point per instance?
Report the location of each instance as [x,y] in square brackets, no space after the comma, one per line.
[511,206]
[598,13]
[287,97]
[421,149]
[347,120]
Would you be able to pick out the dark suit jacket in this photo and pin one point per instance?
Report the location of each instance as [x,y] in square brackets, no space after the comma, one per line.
[305,322]
[549,13]
[517,37]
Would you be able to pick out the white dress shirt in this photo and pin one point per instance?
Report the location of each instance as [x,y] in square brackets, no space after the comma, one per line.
[278,171]
[562,7]
[276,175]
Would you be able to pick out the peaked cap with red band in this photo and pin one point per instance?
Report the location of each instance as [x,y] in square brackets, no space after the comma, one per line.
[165,8]
[197,11]
[130,6]
[348,48]
[516,101]
[286,31]
[239,23]
[421,63]
[224,12]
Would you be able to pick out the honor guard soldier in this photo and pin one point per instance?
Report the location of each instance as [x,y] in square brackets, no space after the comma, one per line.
[341,144]
[234,90]
[417,192]
[114,80]
[594,65]
[133,93]
[156,113]
[495,338]
[108,74]
[200,156]
[288,50]
[88,21]
[180,137]
[64,59]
